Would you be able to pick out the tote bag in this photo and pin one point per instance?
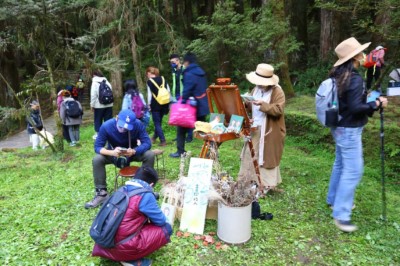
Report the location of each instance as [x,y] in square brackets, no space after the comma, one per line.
[182,115]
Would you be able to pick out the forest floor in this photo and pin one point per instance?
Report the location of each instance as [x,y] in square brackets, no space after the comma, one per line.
[44,223]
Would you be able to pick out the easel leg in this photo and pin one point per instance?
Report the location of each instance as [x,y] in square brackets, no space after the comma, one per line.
[256,166]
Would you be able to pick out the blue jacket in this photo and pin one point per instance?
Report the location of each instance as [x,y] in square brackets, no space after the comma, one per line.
[109,134]
[148,204]
[195,84]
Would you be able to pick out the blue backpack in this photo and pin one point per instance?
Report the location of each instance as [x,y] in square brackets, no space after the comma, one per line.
[107,221]
[105,93]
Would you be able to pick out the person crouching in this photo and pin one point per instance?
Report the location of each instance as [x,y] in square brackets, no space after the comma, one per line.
[143,218]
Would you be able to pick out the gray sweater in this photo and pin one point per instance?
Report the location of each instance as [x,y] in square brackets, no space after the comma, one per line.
[69,121]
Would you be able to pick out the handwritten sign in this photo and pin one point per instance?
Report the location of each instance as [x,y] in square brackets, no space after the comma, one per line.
[196,195]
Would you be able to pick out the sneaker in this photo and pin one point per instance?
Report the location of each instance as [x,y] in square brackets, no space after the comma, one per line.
[345,226]
[94,136]
[162,143]
[97,200]
[188,140]
[72,144]
[175,155]
[141,262]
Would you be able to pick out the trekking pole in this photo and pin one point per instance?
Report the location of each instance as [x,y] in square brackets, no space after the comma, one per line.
[382,135]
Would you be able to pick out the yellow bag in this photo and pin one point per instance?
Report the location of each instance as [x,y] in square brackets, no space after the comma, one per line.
[163,96]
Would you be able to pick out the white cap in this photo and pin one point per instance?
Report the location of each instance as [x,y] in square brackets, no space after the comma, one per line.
[379,47]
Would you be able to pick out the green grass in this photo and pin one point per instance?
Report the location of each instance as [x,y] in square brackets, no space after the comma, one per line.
[43,221]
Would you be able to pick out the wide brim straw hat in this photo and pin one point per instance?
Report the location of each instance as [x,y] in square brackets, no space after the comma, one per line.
[264,76]
[348,49]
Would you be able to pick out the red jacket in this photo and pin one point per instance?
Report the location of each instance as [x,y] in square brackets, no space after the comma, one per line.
[150,237]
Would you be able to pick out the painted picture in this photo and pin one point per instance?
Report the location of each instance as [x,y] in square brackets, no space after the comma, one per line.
[216,119]
[235,125]
[169,212]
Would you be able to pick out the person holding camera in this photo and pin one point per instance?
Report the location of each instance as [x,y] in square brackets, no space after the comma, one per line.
[353,111]
[127,140]
[144,220]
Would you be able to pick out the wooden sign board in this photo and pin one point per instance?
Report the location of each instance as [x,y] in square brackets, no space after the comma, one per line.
[196,195]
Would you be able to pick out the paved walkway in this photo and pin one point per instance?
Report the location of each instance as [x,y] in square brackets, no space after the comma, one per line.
[21,139]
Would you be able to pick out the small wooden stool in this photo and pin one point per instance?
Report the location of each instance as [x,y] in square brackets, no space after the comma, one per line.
[159,153]
[127,172]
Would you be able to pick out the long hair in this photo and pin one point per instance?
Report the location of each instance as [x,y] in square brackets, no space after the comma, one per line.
[130,84]
[342,75]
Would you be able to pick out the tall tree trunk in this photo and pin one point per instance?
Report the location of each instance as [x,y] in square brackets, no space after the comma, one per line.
[136,61]
[297,11]
[10,72]
[280,45]
[327,34]
[58,138]
[188,18]
[116,75]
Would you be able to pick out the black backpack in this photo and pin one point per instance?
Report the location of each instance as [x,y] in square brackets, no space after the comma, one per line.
[73,109]
[107,221]
[105,93]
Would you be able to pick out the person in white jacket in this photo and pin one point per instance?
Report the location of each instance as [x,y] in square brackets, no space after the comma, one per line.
[102,112]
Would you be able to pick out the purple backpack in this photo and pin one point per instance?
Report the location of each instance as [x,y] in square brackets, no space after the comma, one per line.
[137,105]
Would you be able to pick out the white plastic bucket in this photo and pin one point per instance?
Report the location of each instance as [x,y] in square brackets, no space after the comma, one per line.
[234,224]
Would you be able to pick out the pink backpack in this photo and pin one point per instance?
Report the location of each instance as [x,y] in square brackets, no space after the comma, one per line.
[182,115]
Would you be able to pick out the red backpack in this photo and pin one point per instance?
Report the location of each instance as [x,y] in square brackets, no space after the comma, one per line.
[371,59]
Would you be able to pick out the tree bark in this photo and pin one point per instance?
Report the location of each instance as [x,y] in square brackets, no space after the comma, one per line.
[326,34]
[136,61]
[10,72]
[297,11]
[188,18]
[116,75]
[58,138]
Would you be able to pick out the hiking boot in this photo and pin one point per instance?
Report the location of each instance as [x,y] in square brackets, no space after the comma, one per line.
[162,143]
[188,140]
[98,199]
[141,262]
[345,226]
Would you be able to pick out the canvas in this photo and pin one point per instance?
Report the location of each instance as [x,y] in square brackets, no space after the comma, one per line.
[235,124]
[196,196]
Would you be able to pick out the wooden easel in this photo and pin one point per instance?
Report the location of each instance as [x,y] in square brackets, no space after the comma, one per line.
[226,98]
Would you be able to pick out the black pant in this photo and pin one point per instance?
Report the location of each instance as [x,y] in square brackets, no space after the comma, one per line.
[157,120]
[101,115]
[66,133]
[371,75]
[181,136]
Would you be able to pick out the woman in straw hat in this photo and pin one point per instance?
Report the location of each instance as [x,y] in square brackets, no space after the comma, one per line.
[269,121]
[354,111]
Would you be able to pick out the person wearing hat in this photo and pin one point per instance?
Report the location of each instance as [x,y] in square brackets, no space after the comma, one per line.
[354,110]
[117,143]
[268,119]
[374,72]
[34,122]
[194,85]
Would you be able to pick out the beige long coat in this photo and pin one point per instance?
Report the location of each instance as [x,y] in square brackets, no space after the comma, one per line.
[274,141]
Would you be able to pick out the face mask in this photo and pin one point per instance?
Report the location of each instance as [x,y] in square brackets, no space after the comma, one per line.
[173,65]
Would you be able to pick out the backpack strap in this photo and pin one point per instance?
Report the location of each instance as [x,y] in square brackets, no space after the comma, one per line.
[333,92]
[156,85]
[129,195]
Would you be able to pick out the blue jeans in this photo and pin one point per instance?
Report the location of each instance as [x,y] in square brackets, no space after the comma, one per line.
[346,172]
[157,119]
